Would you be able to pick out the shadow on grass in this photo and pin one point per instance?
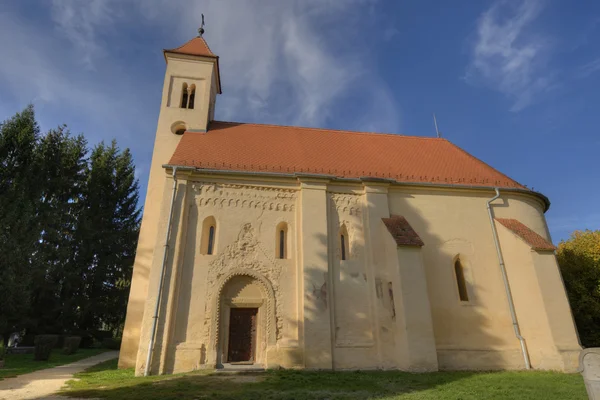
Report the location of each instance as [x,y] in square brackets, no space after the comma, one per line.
[107,382]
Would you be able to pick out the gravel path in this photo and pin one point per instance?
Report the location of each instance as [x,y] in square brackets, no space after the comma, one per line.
[42,384]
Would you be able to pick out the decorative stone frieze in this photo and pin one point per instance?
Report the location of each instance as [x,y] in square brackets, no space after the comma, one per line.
[223,195]
[344,203]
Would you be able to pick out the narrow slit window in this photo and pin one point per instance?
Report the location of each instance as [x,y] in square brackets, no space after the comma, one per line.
[460,281]
[343,242]
[281,238]
[211,240]
[184,96]
[282,244]
[192,97]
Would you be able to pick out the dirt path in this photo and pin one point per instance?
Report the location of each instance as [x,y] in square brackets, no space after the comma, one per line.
[40,385]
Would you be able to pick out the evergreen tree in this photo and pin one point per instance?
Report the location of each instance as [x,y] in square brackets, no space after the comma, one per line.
[63,170]
[68,230]
[108,236]
[19,198]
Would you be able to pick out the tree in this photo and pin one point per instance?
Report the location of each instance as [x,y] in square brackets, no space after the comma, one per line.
[19,191]
[579,260]
[63,171]
[108,233]
[68,230]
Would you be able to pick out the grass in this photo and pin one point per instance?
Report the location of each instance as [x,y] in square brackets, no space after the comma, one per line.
[107,382]
[19,364]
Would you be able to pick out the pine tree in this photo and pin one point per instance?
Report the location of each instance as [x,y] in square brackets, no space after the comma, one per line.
[63,170]
[19,196]
[68,230]
[108,235]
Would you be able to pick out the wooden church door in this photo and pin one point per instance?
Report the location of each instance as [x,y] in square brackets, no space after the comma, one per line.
[242,334]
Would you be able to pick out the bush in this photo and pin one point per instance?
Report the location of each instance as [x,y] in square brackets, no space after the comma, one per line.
[100,335]
[112,344]
[87,339]
[71,344]
[43,346]
[27,340]
[2,349]
[60,342]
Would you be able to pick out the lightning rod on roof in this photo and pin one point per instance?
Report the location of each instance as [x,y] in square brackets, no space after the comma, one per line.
[201,29]
[437,131]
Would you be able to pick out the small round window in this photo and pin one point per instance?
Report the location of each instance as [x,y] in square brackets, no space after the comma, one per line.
[178,128]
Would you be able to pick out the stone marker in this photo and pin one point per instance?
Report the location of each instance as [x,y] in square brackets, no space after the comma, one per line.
[589,366]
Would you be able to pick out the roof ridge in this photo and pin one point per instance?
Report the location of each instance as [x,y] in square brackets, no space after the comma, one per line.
[207,46]
[178,49]
[488,165]
[332,130]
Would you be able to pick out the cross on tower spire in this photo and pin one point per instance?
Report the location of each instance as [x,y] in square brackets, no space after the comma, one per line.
[201,29]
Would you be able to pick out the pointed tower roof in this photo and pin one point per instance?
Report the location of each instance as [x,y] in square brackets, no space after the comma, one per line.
[199,48]
[195,47]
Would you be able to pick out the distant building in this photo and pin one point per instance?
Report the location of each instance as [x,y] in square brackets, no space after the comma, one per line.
[323,249]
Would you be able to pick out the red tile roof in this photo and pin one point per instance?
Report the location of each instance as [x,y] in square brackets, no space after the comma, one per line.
[286,149]
[530,237]
[195,47]
[401,231]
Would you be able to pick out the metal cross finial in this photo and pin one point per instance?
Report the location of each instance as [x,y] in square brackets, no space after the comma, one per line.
[201,30]
[437,131]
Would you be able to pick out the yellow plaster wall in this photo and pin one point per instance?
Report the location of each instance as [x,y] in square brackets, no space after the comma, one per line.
[557,310]
[384,307]
[194,70]
[477,334]
[354,325]
[529,304]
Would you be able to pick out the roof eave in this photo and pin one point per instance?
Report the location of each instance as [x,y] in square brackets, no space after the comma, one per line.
[171,51]
[538,195]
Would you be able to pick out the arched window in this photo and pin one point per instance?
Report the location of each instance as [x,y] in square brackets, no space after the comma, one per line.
[184,95]
[460,280]
[211,240]
[343,243]
[281,240]
[209,236]
[192,96]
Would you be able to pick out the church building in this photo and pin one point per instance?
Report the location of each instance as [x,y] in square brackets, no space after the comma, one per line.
[267,246]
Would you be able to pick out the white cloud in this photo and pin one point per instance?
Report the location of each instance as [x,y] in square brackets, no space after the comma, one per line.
[280,62]
[40,70]
[588,69]
[508,56]
[95,64]
[79,21]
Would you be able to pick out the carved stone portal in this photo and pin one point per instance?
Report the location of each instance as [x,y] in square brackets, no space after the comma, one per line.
[233,279]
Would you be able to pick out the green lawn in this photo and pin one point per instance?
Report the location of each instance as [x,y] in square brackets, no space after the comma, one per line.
[107,382]
[19,364]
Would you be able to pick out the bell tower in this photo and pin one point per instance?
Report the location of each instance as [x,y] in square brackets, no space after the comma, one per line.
[190,88]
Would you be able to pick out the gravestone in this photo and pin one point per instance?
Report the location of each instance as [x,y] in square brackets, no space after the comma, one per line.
[589,366]
[14,339]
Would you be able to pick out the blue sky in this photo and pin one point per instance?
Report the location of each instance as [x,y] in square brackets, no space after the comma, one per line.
[516,83]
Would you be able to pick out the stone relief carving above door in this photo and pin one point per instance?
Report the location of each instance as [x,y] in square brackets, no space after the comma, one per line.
[244,254]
